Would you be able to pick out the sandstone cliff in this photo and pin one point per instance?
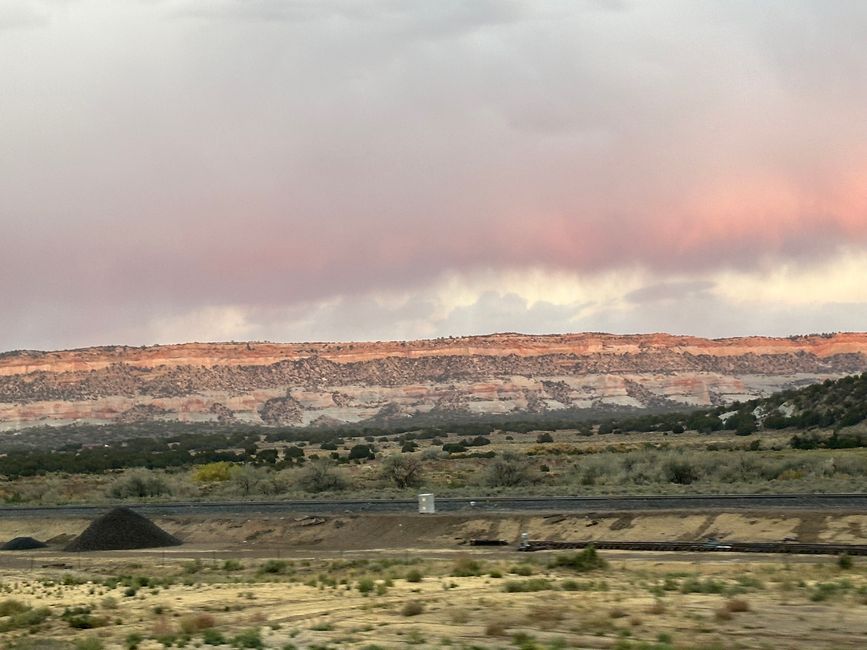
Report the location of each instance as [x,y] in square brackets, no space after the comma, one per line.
[299,384]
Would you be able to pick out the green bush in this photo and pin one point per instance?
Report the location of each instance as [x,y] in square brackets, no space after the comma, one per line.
[251,638]
[274,566]
[509,470]
[583,561]
[10,607]
[844,561]
[27,618]
[522,570]
[466,567]
[319,476]
[213,637]
[533,584]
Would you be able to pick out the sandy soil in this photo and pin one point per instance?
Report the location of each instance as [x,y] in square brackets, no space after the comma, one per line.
[633,601]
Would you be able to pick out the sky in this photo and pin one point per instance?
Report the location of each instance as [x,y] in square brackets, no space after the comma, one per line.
[308,170]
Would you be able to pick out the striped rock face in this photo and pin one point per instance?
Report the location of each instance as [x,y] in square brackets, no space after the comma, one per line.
[300,384]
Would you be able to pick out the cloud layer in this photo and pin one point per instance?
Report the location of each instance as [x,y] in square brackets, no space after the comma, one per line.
[177,170]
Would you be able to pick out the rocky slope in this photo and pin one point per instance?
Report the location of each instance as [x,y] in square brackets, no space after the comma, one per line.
[300,384]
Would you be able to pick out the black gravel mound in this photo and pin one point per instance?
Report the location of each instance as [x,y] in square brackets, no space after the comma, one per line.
[121,529]
[22,544]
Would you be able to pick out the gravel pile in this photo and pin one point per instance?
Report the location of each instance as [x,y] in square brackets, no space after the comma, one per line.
[22,544]
[120,529]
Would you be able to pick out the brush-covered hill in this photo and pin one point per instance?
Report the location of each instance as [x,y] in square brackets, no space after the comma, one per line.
[832,404]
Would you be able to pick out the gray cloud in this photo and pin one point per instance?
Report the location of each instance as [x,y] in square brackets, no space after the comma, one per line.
[670,291]
[163,157]
[22,14]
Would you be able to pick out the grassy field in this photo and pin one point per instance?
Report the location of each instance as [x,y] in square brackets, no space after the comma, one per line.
[403,600]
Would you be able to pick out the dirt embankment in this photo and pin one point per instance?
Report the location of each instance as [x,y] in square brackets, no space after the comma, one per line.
[357,532]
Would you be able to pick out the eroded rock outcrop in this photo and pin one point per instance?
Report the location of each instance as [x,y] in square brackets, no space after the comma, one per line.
[298,384]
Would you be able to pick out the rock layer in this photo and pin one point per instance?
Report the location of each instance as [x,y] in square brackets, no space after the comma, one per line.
[299,384]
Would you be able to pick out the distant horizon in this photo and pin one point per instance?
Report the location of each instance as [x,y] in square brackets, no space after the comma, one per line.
[438,338]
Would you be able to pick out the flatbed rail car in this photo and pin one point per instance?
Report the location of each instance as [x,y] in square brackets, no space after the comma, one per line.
[703,547]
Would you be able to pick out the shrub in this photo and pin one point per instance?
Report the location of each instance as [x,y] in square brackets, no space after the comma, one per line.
[251,638]
[533,584]
[213,637]
[522,570]
[213,472]
[196,623]
[321,477]
[139,485]
[737,605]
[274,566]
[11,607]
[412,608]
[133,640]
[509,470]
[232,565]
[723,614]
[26,618]
[583,561]
[360,452]
[414,575]
[680,471]
[366,585]
[466,567]
[88,643]
[80,618]
[844,561]
[402,470]
[544,438]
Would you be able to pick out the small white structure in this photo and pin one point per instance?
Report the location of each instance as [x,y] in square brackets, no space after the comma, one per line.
[426,504]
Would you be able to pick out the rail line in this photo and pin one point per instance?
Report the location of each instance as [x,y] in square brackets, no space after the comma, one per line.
[703,547]
[563,504]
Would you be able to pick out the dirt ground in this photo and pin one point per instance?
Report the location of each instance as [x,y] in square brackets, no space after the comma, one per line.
[377,581]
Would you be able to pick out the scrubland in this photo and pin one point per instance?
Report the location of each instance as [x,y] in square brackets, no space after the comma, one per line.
[502,599]
[501,463]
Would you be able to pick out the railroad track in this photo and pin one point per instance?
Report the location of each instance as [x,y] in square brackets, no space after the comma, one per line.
[703,547]
[569,504]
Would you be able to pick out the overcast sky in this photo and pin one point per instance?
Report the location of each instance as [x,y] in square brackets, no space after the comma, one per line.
[193,170]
